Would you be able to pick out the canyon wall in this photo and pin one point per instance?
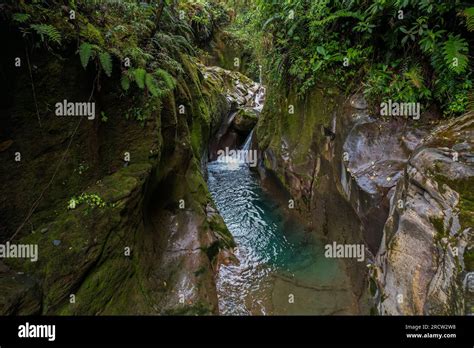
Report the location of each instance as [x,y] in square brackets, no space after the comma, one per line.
[348,170]
[145,237]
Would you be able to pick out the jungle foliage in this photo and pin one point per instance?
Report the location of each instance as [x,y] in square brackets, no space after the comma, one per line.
[406,50]
[143,44]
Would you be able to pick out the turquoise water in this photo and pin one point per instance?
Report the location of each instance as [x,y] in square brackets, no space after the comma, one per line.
[282,268]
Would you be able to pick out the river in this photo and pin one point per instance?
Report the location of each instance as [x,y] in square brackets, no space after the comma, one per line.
[282,268]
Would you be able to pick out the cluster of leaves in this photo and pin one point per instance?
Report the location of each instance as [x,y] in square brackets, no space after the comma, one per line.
[144,42]
[204,17]
[89,51]
[91,199]
[401,49]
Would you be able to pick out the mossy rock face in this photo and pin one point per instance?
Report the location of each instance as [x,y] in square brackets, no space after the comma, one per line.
[226,50]
[110,258]
[289,134]
[290,137]
[104,250]
[433,231]
[19,294]
[83,241]
[245,120]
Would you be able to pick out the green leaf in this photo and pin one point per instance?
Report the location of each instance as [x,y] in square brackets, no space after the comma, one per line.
[403,30]
[167,79]
[85,53]
[20,17]
[338,15]
[47,31]
[106,62]
[265,25]
[321,50]
[469,14]
[455,51]
[152,85]
[125,82]
[139,75]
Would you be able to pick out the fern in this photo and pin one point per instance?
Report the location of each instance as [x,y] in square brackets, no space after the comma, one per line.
[169,63]
[159,83]
[455,51]
[106,63]
[85,53]
[152,85]
[173,43]
[125,82]
[139,76]
[469,14]
[48,31]
[21,17]
[269,21]
[167,79]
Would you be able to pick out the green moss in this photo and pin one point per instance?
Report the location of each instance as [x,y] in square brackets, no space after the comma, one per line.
[219,227]
[103,287]
[301,130]
[438,224]
[196,139]
[92,34]
[372,287]
[466,200]
[469,260]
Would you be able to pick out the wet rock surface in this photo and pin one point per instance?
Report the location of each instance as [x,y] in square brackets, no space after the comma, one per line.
[375,153]
[429,231]
[245,98]
[245,121]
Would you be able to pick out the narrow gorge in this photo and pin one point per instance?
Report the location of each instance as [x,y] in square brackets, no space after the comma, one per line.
[204,186]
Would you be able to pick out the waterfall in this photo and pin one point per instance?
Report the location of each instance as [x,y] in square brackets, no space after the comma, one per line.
[259,99]
[248,142]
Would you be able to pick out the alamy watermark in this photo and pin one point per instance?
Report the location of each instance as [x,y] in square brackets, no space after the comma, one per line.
[237,156]
[345,251]
[22,251]
[391,108]
[28,330]
[86,109]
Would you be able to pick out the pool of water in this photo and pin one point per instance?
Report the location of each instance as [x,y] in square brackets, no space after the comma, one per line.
[282,267]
